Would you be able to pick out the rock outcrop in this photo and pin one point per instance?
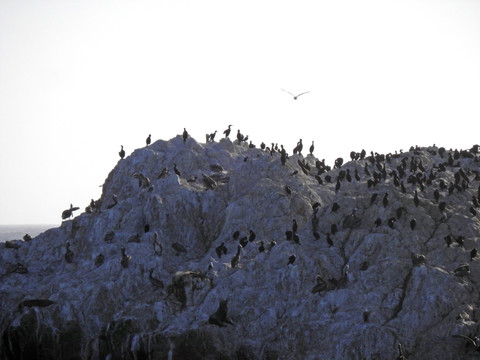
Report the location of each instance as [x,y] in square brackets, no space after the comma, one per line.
[219,251]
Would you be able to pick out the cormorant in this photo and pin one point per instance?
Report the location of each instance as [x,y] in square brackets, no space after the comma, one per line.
[236,257]
[385,200]
[69,212]
[185,134]
[69,253]
[125,258]
[413,223]
[312,147]
[99,259]
[261,248]
[176,170]
[252,236]
[291,259]
[149,139]
[121,152]
[227,132]
[473,254]
[221,250]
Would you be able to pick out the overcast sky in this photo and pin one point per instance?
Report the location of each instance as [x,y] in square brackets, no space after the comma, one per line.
[80,78]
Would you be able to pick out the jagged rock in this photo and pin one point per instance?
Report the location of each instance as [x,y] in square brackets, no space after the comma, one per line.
[376,282]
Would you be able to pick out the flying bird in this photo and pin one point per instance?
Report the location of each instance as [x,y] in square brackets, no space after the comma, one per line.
[296,96]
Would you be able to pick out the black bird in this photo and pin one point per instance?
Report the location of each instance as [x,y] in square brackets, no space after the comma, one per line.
[288,190]
[240,136]
[243,241]
[415,199]
[69,212]
[68,254]
[436,195]
[448,240]
[312,147]
[221,250]
[236,258]
[99,259]
[333,229]
[378,222]
[227,132]
[391,222]
[335,207]
[211,137]
[291,259]
[294,226]
[252,236]
[296,96]
[385,200]
[261,248]
[473,253]
[175,169]
[289,234]
[413,223]
[125,258]
[185,134]
[236,234]
[121,152]
[149,139]
[373,198]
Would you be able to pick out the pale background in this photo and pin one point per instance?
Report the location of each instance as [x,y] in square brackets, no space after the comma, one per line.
[80,78]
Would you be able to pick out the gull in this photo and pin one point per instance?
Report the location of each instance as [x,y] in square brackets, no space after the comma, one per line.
[295,96]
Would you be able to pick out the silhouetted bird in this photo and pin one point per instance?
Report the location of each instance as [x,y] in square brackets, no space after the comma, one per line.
[335,207]
[69,253]
[329,240]
[385,200]
[261,248]
[312,147]
[149,139]
[69,212]
[296,96]
[291,259]
[227,132]
[378,222]
[121,152]
[413,223]
[415,199]
[473,253]
[185,134]
[251,236]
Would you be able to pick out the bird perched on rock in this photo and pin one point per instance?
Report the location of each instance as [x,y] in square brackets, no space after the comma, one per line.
[291,259]
[69,212]
[413,223]
[251,236]
[473,254]
[227,131]
[69,253]
[261,248]
[185,134]
[236,258]
[221,250]
[121,152]
[149,139]
[125,258]
[219,317]
[312,147]
[99,259]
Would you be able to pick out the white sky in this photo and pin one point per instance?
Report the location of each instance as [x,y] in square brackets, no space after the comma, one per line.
[80,78]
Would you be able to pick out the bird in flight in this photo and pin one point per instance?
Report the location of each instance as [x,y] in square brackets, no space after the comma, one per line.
[295,96]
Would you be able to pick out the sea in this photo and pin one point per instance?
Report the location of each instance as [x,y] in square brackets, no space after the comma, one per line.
[17,232]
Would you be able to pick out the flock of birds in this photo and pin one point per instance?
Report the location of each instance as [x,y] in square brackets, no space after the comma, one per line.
[377,168]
